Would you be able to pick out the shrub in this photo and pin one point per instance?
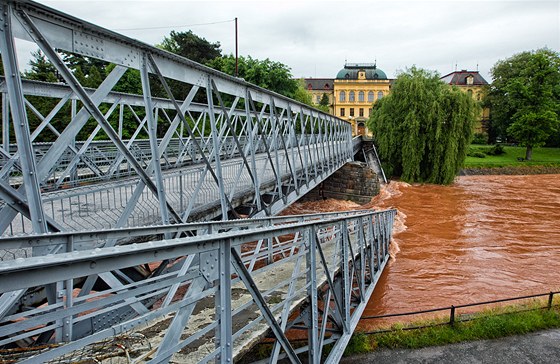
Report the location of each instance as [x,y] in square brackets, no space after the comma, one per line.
[497,149]
[477,152]
[480,138]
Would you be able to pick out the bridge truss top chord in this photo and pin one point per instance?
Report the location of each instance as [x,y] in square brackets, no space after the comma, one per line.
[89,176]
[224,147]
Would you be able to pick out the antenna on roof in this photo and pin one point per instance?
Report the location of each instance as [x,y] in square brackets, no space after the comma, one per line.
[476,66]
[455,66]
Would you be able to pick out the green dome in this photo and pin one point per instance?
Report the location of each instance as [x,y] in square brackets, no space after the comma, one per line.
[350,72]
[376,74]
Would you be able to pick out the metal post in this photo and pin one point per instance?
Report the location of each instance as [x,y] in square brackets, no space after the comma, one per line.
[236,50]
[252,134]
[74,171]
[5,122]
[152,130]
[313,310]
[345,271]
[223,305]
[452,316]
[21,124]
[216,145]
[121,119]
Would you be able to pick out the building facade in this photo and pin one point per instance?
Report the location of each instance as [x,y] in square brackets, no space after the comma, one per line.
[319,87]
[352,93]
[476,86]
[357,86]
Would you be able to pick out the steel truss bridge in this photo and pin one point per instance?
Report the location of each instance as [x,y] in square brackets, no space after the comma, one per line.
[101,242]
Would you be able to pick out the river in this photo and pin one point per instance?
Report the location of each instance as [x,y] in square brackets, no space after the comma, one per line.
[481,238]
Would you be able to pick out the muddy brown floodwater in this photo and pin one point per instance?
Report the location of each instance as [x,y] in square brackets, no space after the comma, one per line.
[482,238]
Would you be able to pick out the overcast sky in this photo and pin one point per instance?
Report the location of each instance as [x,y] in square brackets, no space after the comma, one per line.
[315,37]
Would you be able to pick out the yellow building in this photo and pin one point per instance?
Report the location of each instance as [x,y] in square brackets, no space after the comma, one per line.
[358,85]
[352,93]
[475,85]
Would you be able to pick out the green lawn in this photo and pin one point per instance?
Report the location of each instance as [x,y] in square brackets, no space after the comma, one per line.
[488,324]
[541,156]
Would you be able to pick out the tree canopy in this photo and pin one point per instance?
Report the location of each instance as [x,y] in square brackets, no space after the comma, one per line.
[272,75]
[191,46]
[325,100]
[423,127]
[40,68]
[525,98]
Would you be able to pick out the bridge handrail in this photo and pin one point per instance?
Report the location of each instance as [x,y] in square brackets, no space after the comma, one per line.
[139,251]
[204,228]
[332,248]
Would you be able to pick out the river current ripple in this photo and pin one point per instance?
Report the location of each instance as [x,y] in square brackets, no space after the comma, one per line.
[481,238]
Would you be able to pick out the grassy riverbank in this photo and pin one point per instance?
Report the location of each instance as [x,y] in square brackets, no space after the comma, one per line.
[544,161]
[513,157]
[489,324]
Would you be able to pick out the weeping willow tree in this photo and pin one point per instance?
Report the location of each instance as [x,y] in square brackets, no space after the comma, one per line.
[423,128]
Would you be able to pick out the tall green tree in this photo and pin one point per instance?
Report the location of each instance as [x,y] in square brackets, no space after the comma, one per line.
[191,46]
[40,68]
[324,104]
[274,76]
[423,127]
[302,94]
[525,97]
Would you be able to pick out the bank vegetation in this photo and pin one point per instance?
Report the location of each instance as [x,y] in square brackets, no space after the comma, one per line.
[491,323]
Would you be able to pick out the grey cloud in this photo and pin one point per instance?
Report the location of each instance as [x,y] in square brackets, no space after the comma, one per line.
[315,37]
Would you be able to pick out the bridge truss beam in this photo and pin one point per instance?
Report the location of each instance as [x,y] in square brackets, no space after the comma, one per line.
[223,142]
[216,289]
[75,160]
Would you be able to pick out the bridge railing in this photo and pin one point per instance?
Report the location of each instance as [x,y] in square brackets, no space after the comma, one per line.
[205,295]
[206,122]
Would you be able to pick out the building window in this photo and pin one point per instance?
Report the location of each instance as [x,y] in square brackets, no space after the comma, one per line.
[470,80]
[469,92]
[351,96]
[361,96]
[380,95]
[369,111]
[342,111]
[370,96]
[342,96]
[361,111]
[351,111]
[318,99]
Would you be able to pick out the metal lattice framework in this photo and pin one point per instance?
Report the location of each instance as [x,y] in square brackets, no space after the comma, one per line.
[208,296]
[239,149]
[79,187]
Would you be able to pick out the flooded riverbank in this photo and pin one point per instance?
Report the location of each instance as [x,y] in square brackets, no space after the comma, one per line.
[482,238]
